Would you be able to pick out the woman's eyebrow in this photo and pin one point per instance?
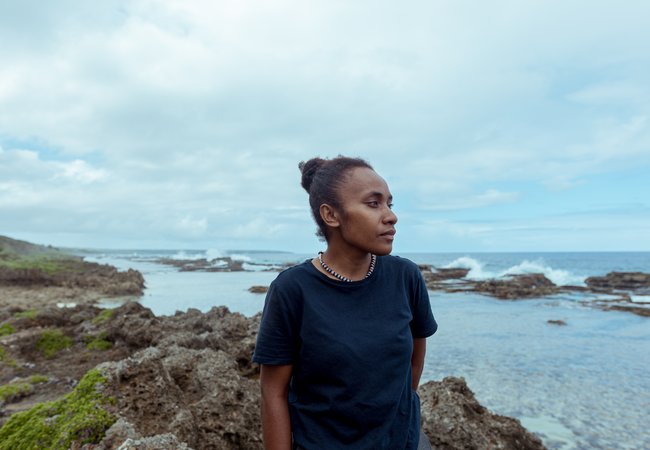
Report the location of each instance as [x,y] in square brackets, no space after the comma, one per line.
[380,195]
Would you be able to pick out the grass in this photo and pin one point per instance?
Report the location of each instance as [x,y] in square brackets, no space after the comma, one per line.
[77,419]
[6,359]
[98,342]
[28,314]
[52,342]
[43,263]
[16,389]
[103,316]
[6,329]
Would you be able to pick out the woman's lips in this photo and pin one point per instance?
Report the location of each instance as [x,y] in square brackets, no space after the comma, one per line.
[390,235]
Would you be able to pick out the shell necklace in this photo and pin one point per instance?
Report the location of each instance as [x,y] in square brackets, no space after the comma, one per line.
[328,269]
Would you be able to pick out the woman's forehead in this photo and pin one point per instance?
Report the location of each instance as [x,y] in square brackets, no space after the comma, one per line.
[365,181]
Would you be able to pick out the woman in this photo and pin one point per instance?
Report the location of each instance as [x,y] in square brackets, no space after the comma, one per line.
[343,335]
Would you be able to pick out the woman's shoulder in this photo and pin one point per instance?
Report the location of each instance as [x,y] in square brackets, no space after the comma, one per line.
[292,274]
[394,262]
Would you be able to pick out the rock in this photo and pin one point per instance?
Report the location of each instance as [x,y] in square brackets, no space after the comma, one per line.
[453,419]
[626,281]
[187,381]
[518,286]
[197,395]
[556,322]
[258,289]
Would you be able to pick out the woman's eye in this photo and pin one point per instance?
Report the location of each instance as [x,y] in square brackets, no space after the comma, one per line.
[390,205]
[373,203]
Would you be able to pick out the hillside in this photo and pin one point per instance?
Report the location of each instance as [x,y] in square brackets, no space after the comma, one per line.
[16,249]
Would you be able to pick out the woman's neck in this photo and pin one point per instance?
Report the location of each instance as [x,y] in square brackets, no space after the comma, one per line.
[351,264]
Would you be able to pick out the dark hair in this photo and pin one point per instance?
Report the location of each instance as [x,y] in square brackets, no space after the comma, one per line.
[322,179]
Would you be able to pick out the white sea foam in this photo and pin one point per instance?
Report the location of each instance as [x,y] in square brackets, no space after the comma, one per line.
[476,270]
[640,298]
[240,257]
[557,276]
[213,253]
[183,255]
[255,267]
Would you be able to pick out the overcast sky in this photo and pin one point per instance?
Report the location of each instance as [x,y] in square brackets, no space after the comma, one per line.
[499,125]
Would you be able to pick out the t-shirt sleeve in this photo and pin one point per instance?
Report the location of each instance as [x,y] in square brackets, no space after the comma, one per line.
[278,333]
[423,324]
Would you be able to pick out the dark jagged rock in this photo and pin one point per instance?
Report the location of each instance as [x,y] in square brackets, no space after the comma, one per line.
[518,286]
[624,281]
[454,420]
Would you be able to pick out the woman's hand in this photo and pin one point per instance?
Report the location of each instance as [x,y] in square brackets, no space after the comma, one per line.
[276,425]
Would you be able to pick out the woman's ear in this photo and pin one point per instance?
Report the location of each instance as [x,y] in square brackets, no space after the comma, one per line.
[329,215]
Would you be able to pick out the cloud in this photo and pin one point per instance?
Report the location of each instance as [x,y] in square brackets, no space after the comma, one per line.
[185,120]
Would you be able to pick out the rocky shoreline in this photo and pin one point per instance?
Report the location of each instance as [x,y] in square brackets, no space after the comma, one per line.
[73,375]
[173,382]
[618,287]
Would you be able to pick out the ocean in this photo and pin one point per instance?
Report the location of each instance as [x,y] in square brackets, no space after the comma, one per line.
[585,385]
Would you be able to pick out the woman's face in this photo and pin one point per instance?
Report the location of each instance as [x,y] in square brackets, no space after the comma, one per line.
[366,221]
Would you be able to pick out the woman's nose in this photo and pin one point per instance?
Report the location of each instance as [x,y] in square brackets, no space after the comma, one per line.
[391,217]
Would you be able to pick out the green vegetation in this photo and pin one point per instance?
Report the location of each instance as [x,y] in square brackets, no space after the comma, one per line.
[98,342]
[6,359]
[103,316]
[28,314]
[78,418]
[51,342]
[6,329]
[20,255]
[15,390]
[35,379]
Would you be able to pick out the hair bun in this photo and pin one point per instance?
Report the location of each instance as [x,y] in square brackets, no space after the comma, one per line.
[309,169]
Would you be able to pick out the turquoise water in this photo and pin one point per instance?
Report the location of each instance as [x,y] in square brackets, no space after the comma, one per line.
[580,386]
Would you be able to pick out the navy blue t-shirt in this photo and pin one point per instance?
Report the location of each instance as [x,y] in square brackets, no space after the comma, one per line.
[350,345]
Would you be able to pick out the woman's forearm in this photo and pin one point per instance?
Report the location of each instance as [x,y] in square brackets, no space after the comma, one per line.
[276,425]
[417,360]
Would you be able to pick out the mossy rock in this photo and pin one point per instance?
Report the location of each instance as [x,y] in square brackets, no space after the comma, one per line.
[51,342]
[78,418]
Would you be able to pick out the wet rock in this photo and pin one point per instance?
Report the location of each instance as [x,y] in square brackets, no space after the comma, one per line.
[625,281]
[454,420]
[518,286]
[556,322]
[258,289]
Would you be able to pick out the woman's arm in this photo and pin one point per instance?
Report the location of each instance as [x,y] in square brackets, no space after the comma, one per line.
[417,360]
[276,426]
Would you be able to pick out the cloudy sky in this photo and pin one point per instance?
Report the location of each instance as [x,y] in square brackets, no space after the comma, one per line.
[499,125]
